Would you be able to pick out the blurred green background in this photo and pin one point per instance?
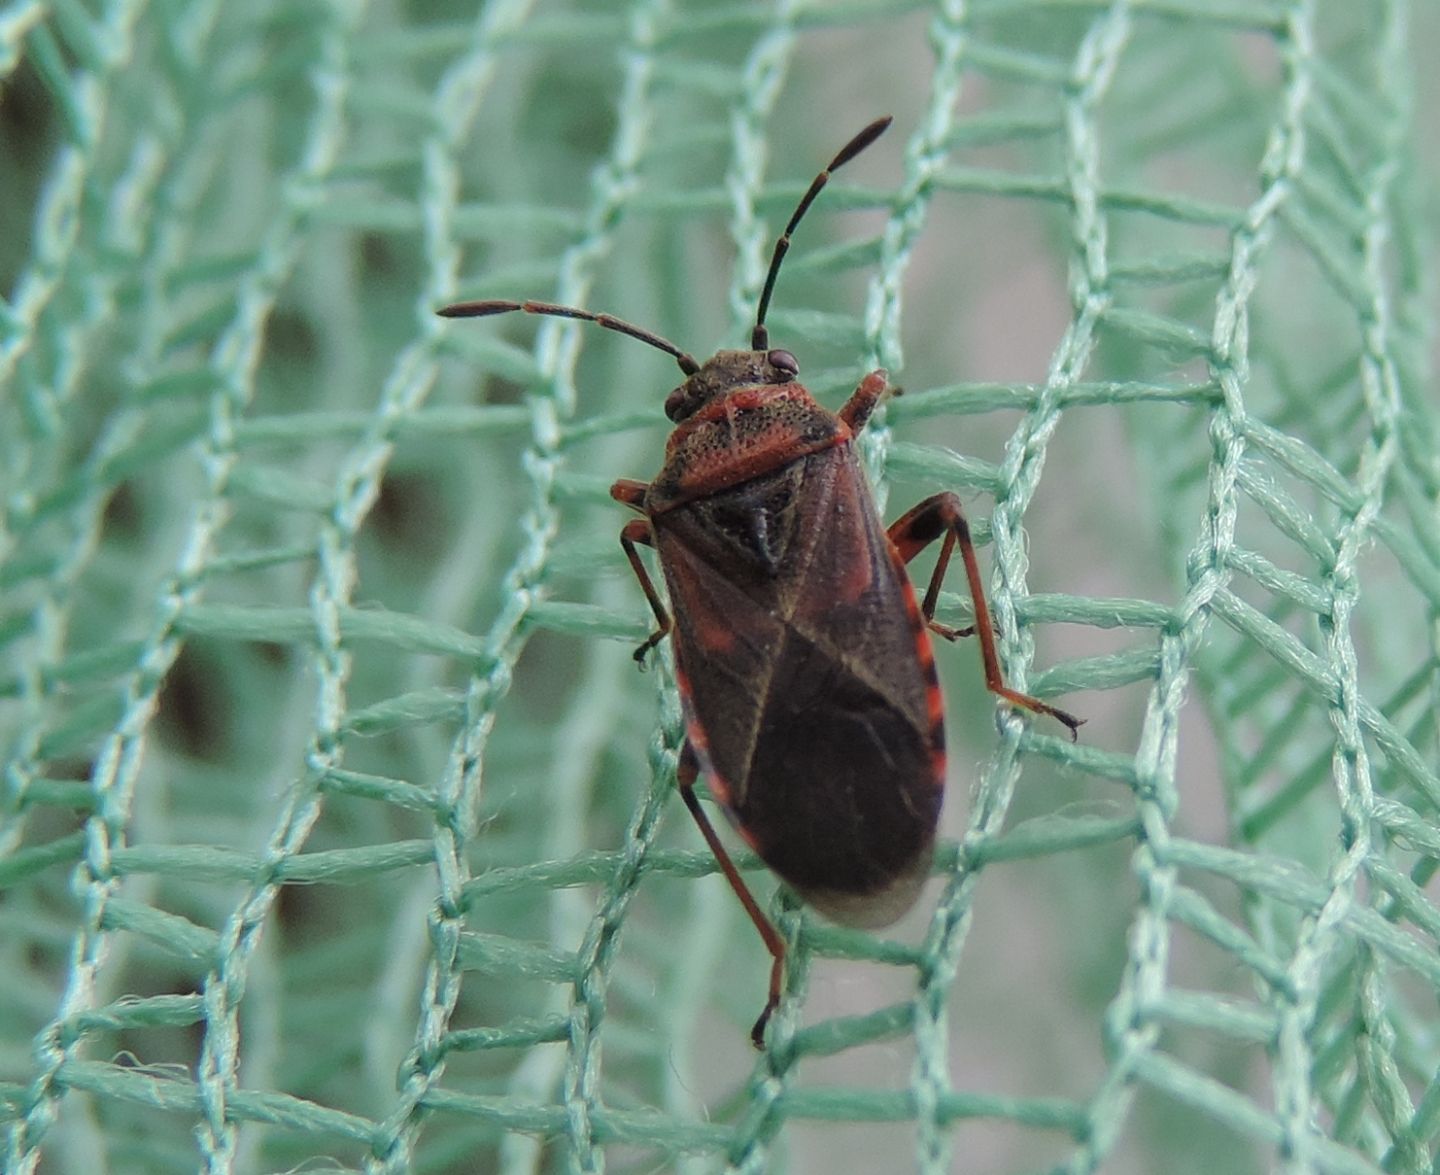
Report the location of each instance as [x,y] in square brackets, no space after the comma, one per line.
[337,828]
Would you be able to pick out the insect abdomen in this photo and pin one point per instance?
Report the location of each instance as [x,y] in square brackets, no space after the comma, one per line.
[849,776]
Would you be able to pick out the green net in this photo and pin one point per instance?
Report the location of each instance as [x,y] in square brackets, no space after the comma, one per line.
[338,829]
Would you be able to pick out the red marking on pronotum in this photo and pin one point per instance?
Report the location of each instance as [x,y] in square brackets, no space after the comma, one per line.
[817,721]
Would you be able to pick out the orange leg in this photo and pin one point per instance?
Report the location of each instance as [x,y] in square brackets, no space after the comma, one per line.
[630,492]
[864,400]
[634,532]
[915,531]
[685,776]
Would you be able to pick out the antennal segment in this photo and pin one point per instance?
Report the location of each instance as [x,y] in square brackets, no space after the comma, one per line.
[760,337]
[485,309]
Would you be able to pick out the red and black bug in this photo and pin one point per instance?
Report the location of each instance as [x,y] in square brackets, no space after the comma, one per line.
[807,680]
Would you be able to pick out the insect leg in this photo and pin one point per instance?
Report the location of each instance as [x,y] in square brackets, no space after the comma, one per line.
[865,399]
[689,768]
[630,492]
[915,531]
[638,531]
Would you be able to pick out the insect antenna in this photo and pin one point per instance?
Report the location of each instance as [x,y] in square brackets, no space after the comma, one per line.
[760,337]
[488,307]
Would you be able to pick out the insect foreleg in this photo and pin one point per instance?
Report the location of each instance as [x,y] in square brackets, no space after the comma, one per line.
[638,531]
[865,399]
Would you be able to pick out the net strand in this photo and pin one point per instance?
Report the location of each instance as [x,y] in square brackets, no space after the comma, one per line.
[223,989]
[1351,765]
[458,97]
[614,184]
[118,764]
[953,919]
[1132,1032]
[1091,294]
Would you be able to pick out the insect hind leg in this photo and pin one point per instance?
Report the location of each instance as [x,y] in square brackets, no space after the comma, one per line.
[686,775]
[916,530]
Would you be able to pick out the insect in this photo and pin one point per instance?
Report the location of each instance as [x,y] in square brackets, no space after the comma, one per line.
[808,686]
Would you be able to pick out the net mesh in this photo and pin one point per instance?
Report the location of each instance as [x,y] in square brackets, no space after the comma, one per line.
[338,829]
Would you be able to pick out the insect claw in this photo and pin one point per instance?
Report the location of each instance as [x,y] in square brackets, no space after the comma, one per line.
[1071,721]
[951,634]
[757,1033]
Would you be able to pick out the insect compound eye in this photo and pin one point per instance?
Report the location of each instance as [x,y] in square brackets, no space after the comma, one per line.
[784,362]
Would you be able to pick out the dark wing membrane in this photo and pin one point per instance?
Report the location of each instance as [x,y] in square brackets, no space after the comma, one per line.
[852,597]
[841,790]
[734,563]
[808,671]
[725,641]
